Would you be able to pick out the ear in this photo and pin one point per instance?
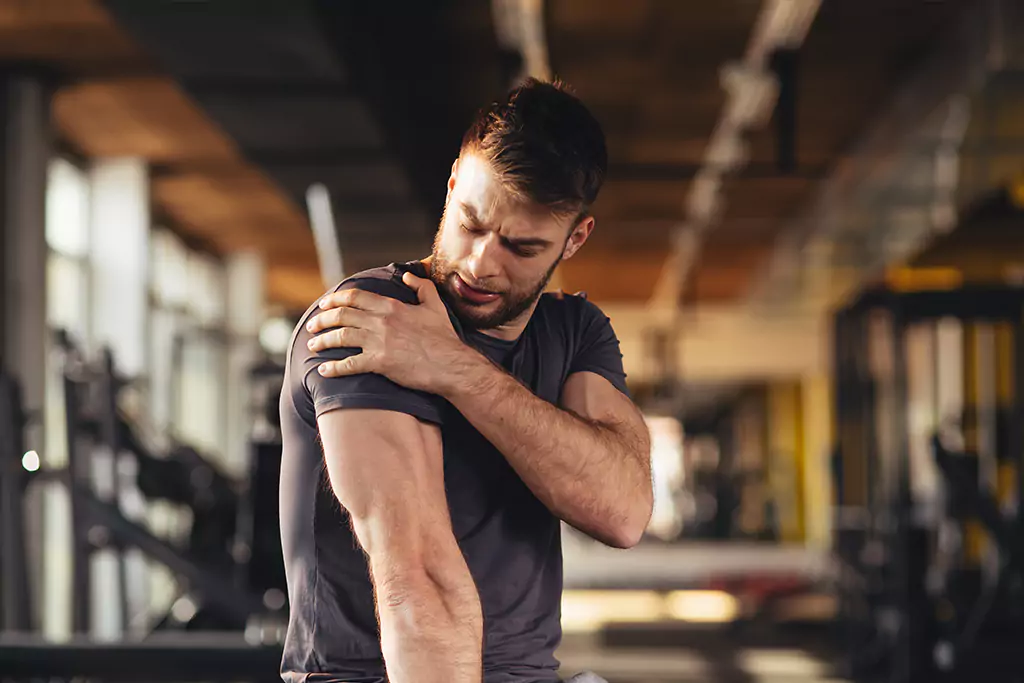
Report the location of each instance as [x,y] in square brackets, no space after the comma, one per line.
[578,237]
[451,179]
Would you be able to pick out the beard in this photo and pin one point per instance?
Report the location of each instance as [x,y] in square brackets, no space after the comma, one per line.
[509,305]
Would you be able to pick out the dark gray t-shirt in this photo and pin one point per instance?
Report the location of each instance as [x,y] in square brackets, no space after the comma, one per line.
[511,542]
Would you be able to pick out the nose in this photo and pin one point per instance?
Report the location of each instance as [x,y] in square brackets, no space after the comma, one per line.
[483,260]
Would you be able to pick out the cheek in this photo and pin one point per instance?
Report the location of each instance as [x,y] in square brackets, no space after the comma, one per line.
[526,274]
[453,244]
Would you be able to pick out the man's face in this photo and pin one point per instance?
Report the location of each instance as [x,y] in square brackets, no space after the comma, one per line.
[493,256]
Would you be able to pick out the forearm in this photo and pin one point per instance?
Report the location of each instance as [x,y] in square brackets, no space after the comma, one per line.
[594,475]
[431,626]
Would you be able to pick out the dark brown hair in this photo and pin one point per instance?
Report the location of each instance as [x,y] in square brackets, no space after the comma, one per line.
[545,146]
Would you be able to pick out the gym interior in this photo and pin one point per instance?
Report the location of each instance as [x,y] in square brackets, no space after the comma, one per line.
[809,244]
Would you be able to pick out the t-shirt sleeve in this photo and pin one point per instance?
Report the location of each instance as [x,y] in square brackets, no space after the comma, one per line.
[597,348]
[366,391]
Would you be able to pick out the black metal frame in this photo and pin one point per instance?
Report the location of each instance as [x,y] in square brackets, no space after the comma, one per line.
[91,513]
[183,657]
[889,520]
[15,601]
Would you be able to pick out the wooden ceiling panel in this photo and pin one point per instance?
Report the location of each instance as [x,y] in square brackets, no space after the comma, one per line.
[207,206]
[593,19]
[641,200]
[631,234]
[294,287]
[758,198]
[722,284]
[682,147]
[145,117]
[31,14]
[613,276]
[77,35]
[726,266]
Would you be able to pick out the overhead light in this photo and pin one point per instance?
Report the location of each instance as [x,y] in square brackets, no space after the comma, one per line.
[752,93]
[519,26]
[787,22]
[325,234]
[727,150]
[703,199]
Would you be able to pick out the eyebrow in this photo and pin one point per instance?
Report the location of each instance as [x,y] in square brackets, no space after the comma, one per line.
[471,214]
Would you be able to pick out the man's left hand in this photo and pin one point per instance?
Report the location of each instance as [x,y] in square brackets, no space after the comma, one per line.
[412,345]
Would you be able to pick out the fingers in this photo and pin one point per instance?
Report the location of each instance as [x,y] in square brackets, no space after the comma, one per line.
[357,298]
[353,365]
[338,317]
[339,338]
[426,292]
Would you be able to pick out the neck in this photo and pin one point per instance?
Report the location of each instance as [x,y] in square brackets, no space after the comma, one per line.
[511,330]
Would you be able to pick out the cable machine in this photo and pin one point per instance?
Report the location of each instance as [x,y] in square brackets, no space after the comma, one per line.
[929,476]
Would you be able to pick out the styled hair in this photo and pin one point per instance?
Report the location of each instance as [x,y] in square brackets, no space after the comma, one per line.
[544,145]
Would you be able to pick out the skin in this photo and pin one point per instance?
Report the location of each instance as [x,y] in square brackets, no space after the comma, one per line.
[586,459]
[428,608]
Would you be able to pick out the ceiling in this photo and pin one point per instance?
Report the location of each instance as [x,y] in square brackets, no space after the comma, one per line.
[239,112]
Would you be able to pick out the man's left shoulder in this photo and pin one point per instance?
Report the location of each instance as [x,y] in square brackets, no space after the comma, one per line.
[573,311]
[573,319]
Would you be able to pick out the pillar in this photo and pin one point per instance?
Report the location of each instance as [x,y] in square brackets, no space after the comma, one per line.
[119,258]
[25,143]
[245,315]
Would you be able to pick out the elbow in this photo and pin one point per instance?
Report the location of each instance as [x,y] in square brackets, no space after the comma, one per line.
[630,530]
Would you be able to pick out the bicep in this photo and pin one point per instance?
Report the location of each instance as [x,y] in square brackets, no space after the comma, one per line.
[386,470]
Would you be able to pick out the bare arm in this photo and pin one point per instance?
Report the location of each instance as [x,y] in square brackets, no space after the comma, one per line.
[588,461]
[386,470]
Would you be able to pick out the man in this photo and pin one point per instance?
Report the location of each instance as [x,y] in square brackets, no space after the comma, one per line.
[461,415]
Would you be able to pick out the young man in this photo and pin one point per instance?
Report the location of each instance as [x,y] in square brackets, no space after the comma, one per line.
[461,415]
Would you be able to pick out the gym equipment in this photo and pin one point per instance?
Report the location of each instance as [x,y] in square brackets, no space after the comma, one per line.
[15,609]
[161,658]
[918,599]
[208,565]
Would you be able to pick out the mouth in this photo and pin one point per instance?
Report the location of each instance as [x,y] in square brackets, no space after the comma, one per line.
[472,294]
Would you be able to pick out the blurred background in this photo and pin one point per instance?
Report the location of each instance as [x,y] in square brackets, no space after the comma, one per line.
[810,245]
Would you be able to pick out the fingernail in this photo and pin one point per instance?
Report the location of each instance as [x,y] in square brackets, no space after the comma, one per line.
[321,369]
[309,345]
[323,303]
[309,326]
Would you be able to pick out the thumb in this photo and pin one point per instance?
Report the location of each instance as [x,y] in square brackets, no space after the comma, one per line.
[425,290]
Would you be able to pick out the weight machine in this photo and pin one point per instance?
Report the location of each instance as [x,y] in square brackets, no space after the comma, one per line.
[229,566]
[929,522]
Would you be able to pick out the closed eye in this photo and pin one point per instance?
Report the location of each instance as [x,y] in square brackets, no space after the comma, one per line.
[525,252]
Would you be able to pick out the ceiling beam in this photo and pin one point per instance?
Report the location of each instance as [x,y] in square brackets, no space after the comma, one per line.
[320,157]
[752,92]
[655,172]
[262,88]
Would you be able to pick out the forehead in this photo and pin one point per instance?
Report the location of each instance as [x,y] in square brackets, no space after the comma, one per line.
[478,188]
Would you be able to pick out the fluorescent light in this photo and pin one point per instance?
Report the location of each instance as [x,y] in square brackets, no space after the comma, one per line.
[752,93]
[30,461]
[788,21]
